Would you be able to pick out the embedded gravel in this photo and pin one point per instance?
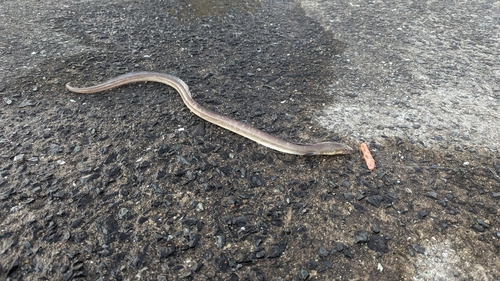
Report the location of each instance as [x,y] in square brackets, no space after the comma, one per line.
[129,184]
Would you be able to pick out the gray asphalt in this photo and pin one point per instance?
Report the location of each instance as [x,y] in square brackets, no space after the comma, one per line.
[427,72]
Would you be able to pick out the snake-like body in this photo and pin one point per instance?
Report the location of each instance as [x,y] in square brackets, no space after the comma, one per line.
[265,139]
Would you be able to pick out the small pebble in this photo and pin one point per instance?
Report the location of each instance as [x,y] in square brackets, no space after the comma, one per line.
[478,227]
[346,184]
[199,207]
[484,224]
[19,158]
[311,265]
[221,241]
[422,214]
[419,249]
[340,246]
[329,264]
[323,252]
[348,196]
[431,194]
[360,236]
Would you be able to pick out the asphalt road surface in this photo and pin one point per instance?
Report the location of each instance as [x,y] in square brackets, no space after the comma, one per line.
[130,185]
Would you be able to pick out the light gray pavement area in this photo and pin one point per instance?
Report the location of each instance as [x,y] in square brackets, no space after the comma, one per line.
[425,71]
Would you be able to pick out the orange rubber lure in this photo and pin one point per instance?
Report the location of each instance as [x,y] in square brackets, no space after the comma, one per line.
[367,155]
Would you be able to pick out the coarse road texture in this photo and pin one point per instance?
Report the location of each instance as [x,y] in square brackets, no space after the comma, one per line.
[130,185]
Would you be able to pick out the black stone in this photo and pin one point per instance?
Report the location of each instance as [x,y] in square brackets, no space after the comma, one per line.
[54,149]
[193,240]
[327,264]
[419,249]
[13,267]
[375,200]
[189,221]
[166,252]
[482,223]
[107,225]
[340,246]
[76,223]
[111,158]
[311,265]
[221,263]
[79,237]
[255,181]
[276,250]
[348,253]
[377,243]
[358,207]
[360,236]
[478,227]
[431,194]
[68,275]
[348,196]
[112,171]
[144,164]
[258,274]
[422,214]
[323,252]
[233,277]
[346,184]
[240,221]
